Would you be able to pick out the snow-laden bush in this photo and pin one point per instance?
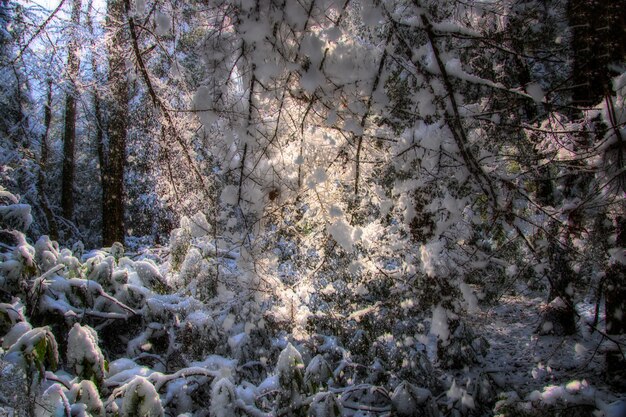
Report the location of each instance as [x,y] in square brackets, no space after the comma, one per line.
[410,401]
[85,399]
[46,253]
[11,314]
[140,399]
[15,333]
[17,263]
[576,398]
[14,216]
[180,240]
[223,399]
[325,404]
[289,369]
[84,356]
[35,350]
[317,375]
[53,402]
[198,275]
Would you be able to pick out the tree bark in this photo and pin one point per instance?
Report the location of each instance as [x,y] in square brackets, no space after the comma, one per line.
[113,179]
[69,132]
[615,309]
[43,161]
[96,98]
[598,39]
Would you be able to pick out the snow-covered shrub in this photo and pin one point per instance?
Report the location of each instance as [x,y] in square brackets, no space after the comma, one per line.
[418,369]
[290,373]
[289,369]
[150,276]
[460,399]
[180,240]
[17,263]
[457,346]
[366,396]
[557,319]
[223,399]
[410,401]
[116,250]
[575,398]
[35,350]
[197,274]
[317,375]
[140,399]
[11,314]
[13,215]
[73,265]
[199,335]
[84,356]
[53,402]
[85,397]
[325,404]
[99,267]
[46,253]
[15,333]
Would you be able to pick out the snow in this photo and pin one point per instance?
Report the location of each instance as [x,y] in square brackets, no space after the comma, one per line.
[140,7]
[311,80]
[288,365]
[536,92]
[430,257]
[414,294]
[228,322]
[312,47]
[148,273]
[87,393]
[269,384]
[237,341]
[371,15]
[407,398]
[15,333]
[439,323]
[53,399]
[18,216]
[83,352]
[163,23]
[470,297]
[222,399]
[344,234]
[615,409]
[119,365]
[229,195]
[618,255]
[141,399]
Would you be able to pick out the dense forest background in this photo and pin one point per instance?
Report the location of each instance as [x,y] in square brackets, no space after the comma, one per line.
[313,208]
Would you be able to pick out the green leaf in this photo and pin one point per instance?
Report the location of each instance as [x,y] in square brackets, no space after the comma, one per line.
[39,352]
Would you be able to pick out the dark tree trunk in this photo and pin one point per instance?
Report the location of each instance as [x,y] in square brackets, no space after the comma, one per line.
[69,132]
[43,161]
[113,179]
[558,317]
[615,309]
[598,39]
[97,101]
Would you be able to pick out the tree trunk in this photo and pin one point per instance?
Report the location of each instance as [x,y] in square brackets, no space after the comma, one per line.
[69,132]
[615,309]
[97,100]
[113,180]
[598,39]
[43,160]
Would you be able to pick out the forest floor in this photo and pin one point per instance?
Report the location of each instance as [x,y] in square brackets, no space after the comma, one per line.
[545,367]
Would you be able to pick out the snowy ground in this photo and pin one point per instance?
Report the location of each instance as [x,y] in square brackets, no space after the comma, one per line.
[544,369]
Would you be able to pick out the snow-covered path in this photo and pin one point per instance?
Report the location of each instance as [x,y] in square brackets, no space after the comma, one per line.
[518,359]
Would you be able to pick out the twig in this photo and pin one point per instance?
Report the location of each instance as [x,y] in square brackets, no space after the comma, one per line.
[37,32]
